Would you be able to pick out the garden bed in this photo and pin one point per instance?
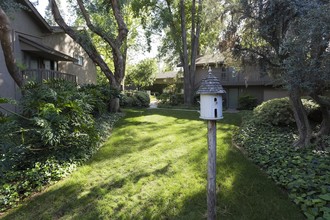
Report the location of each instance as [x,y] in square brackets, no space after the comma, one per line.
[304,173]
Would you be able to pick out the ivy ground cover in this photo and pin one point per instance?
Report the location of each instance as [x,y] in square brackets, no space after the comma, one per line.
[304,173]
[154,166]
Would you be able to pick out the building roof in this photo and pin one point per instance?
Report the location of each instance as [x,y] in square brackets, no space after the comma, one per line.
[35,15]
[34,47]
[167,75]
[210,59]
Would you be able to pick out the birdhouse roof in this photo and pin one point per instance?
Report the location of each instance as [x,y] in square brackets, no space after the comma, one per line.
[210,85]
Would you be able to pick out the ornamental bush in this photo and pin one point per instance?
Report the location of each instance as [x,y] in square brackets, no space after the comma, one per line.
[135,99]
[56,132]
[171,98]
[100,97]
[278,112]
[60,117]
[275,112]
[143,97]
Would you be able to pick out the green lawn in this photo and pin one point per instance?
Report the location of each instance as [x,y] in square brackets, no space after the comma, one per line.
[154,167]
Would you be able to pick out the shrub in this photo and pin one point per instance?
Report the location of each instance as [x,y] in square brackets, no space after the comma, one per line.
[164,98]
[143,97]
[247,102]
[274,112]
[60,117]
[176,99]
[279,112]
[100,97]
[126,101]
[135,99]
[56,132]
[171,98]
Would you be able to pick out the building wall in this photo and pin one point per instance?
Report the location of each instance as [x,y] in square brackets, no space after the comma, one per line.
[24,24]
[86,73]
[228,76]
[246,82]
[20,20]
[272,93]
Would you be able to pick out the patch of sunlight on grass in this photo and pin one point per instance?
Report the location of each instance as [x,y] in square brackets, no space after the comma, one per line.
[228,182]
[154,166]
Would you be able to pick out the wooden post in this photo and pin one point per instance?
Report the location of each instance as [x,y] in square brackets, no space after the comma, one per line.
[211,172]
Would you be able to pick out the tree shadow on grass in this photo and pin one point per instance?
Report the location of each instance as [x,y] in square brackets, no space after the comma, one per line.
[243,192]
[127,135]
[151,191]
[69,201]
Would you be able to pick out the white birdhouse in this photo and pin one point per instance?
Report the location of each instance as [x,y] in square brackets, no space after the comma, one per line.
[211,92]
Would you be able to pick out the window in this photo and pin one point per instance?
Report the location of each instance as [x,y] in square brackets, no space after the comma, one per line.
[80,59]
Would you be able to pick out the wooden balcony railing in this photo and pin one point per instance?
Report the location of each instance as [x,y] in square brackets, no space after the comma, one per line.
[39,75]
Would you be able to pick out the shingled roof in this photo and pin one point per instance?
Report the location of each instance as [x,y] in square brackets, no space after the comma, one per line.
[210,59]
[210,85]
[167,75]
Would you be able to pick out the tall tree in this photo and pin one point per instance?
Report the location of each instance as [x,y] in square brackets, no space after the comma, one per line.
[290,40]
[308,62]
[83,38]
[6,42]
[178,20]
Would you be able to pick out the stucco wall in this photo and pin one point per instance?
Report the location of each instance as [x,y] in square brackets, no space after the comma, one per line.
[272,93]
[62,42]
[21,21]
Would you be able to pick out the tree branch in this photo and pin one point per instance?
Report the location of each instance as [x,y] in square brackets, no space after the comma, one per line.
[93,28]
[83,40]
[122,29]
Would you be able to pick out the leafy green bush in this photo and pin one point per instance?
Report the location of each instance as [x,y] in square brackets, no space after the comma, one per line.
[60,117]
[100,97]
[171,98]
[164,98]
[56,132]
[135,99]
[278,112]
[126,101]
[275,112]
[143,97]
[303,173]
[247,102]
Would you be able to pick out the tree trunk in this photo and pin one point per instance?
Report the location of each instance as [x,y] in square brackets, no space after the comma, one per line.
[184,58]
[114,105]
[5,38]
[115,78]
[195,32]
[325,124]
[300,115]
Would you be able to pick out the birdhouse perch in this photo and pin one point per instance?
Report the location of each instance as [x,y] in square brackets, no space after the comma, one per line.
[211,92]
